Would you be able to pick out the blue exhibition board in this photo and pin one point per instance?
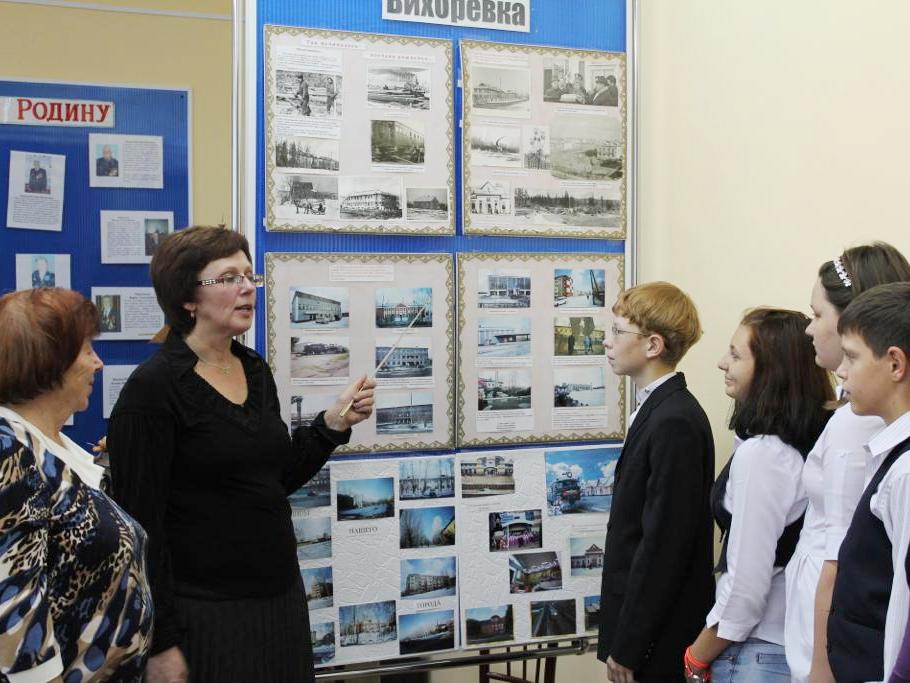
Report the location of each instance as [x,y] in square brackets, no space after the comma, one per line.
[582,24]
[139,111]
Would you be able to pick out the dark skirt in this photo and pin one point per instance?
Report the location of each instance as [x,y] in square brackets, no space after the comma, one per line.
[261,640]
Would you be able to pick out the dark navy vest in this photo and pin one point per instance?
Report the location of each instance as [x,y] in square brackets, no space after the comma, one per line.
[856,624]
[786,544]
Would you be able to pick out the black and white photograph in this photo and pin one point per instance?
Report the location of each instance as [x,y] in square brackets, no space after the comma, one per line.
[358,499]
[578,336]
[586,147]
[431,577]
[586,554]
[427,632]
[37,181]
[312,154]
[323,356]
[156,229]
[368,624]
[535,150]
[578,287]
[306,196]
[493,145]
[576,80]
[397,142]
[489,625]
[322,636]
[579,387]
[427,203]
[501,91]
[503,288]
[503,337]
[408,357]
[592,207]
[306,93]
[580,480]
[315,493]
[487,475]
[319,589]
[533,572]
[42,270]
[592,612]
[319,308]
[404,307]
[503,389]
[491,198]
[369,198]
[552,618]
[305,408]
[516,530]
[314,537]
[426,478]
[398,88]
[427,527]
[109,313]
[400,413]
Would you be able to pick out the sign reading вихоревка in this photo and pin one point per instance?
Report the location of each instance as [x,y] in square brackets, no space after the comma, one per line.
[505,15]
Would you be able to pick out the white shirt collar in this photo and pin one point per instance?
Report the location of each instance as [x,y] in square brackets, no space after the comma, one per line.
[641,395]
[74,456]
[890,436]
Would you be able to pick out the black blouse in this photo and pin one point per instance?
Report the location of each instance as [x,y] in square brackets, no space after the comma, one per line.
[209,480]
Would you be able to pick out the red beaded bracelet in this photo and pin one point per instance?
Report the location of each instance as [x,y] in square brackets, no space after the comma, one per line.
[693,665]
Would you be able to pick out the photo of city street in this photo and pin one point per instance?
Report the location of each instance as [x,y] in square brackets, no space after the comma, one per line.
[503,288]
[359,499]
[314,537]
[503,337]
[487,475]
[503,389]
[586,148]
[404,412]
[578,287]
[320,356]
[315,493]
[319,308]
[323,638]
[579,387]
[427,527]
[592,612]
[552,618]
[519,529]
[319,587]
[578,336]
[586,555]
[368,624]
[412,357]
[420,478]
[533,572]
[489,625]
[427,632]
[580,480]
[424,578]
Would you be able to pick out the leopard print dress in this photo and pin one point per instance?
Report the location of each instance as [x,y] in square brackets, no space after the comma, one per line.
[74,597]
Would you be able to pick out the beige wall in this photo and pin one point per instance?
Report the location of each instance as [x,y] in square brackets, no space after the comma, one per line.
[61,43]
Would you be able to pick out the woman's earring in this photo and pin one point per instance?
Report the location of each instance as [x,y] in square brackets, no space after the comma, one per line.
[193,314]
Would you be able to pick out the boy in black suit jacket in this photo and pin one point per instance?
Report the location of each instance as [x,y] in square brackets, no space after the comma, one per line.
[657,577]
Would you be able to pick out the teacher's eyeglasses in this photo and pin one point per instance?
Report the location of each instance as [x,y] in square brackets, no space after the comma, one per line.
[233,280]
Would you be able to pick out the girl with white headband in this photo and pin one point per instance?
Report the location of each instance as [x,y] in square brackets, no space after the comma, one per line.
[837,468]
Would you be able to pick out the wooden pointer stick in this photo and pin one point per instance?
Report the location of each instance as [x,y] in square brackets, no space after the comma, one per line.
[350,403]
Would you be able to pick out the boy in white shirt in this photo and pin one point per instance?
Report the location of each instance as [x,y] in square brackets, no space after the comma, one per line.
[871,597]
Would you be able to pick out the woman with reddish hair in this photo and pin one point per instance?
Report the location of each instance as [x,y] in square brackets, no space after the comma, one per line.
[74,600]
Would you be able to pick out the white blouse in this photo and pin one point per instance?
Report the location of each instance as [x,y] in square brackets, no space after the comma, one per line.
[764,494]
